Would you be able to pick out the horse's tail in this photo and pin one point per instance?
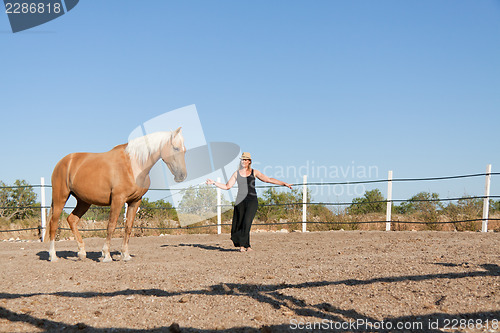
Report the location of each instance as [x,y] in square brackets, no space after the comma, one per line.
[48,226]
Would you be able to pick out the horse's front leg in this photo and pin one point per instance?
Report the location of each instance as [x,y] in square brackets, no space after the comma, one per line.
[131,211]
[116,206]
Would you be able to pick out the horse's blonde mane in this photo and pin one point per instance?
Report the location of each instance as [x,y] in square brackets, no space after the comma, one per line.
[142,147]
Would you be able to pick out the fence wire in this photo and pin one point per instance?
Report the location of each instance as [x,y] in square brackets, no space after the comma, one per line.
[395,180]
[313,183]
[277,223]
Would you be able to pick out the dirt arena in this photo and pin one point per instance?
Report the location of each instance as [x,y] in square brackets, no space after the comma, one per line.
[345,281]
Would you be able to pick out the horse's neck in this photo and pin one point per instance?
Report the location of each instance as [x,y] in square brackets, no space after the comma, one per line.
[141,170]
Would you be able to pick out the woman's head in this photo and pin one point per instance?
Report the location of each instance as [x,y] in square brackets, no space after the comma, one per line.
[245,160]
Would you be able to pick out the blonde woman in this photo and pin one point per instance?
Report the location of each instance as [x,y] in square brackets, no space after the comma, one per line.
[246,203]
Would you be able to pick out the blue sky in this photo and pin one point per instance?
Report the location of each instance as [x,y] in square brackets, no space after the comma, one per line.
[408,86]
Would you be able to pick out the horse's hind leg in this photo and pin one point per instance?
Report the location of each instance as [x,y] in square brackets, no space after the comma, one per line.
[55,214]
[73,219]
[60,195]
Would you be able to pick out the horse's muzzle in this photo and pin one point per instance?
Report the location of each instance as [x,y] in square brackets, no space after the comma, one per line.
[180,178]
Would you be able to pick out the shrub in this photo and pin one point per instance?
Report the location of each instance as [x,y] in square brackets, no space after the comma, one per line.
[371,202]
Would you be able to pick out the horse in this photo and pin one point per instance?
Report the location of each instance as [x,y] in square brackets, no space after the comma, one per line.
[113,178]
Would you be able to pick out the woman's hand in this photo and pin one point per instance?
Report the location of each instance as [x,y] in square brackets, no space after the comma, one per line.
[210,182]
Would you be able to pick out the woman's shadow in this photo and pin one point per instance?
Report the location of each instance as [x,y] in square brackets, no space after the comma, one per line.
[205,247]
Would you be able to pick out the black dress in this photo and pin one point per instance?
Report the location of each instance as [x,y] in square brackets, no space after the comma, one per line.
[244,210]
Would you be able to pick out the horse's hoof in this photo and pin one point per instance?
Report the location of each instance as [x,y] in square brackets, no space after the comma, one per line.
[107,259]
[53,259]
[82,255]
[127,258]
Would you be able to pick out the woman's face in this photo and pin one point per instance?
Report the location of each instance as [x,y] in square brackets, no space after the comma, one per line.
[246,163]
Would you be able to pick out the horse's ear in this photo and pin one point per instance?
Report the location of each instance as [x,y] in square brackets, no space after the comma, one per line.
[177,131]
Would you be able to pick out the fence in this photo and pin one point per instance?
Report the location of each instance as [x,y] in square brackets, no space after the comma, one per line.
[389,201]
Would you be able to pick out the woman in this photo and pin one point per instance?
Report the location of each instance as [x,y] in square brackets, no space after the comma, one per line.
[246,202]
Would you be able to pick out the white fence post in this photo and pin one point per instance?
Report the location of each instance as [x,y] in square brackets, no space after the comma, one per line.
[304,204]
[219,209]
[486,200]
[125,214]
[388,213]
[43,209]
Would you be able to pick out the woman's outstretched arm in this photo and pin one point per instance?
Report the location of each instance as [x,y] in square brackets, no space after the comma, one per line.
[223,186]
[267,179]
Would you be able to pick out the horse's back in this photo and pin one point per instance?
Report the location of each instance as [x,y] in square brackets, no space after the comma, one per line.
[73,162]
[91,176]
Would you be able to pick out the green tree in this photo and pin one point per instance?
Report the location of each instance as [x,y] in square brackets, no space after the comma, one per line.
[466,209]
[98,213]
[372,202]
[495,206]
[198,200]
[15,200]
[274,205]
[158,208]
[423,203]
[425,206]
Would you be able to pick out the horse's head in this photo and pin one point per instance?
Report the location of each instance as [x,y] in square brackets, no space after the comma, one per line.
[173,153]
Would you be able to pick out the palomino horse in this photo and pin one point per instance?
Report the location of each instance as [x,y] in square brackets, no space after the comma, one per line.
[113,178]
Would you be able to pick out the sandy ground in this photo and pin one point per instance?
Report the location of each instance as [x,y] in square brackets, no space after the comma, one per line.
[345,281]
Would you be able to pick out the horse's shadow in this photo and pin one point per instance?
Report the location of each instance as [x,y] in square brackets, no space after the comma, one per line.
[73,255]
[205,247]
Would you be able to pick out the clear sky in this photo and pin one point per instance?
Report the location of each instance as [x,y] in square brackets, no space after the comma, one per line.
[305,86]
